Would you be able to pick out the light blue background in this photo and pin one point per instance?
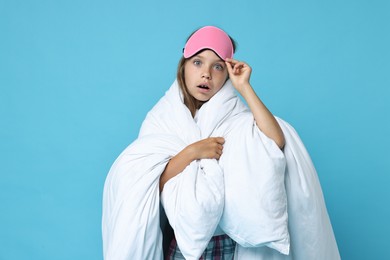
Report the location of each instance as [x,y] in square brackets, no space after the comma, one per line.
[78,77]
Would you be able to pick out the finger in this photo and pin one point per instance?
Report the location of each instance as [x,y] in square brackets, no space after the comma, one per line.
[238,66]
[220,140]
[232,61]
[235,62]
[218,155]
[229,67]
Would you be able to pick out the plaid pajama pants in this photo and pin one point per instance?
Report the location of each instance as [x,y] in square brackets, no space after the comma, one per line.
[219,248]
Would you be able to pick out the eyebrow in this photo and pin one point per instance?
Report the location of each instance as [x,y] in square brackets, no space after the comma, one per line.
[202,57]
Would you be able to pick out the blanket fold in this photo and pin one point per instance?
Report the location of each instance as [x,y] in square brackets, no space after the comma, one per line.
[309,225]
[248,192]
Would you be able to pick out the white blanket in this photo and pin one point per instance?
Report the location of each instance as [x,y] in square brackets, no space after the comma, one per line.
[247,192]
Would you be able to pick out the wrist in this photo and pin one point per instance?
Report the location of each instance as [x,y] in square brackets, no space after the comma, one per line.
[245,89]
[190,153]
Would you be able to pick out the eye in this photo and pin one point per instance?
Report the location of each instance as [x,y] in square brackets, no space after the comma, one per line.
[197,62]
[218,67]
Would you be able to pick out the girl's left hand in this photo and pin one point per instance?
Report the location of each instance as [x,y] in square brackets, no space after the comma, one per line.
[239,73]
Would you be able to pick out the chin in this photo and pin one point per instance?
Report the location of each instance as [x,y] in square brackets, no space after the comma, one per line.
[203,99]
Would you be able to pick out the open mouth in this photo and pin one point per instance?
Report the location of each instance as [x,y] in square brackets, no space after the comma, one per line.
[203,87]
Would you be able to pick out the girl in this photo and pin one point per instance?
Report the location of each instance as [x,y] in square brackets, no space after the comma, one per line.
[203,70]
[218,168]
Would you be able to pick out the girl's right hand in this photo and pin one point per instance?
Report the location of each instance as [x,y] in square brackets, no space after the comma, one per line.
[209,148]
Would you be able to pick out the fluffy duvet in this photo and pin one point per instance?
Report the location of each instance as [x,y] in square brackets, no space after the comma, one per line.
[269,201]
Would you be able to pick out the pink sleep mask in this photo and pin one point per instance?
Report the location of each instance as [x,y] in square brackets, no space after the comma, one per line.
[209,37]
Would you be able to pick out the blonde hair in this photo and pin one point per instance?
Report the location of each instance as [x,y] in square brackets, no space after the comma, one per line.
[192,103]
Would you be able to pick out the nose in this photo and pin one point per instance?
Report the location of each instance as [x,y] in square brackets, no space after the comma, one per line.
[206,75]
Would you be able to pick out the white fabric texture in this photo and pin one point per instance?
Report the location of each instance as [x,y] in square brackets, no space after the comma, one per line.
[310,228]
[244,192]
[255,212]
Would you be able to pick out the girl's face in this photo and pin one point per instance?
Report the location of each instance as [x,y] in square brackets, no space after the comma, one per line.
[204,73]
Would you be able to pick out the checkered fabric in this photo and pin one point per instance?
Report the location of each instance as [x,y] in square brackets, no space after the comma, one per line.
[219,248]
